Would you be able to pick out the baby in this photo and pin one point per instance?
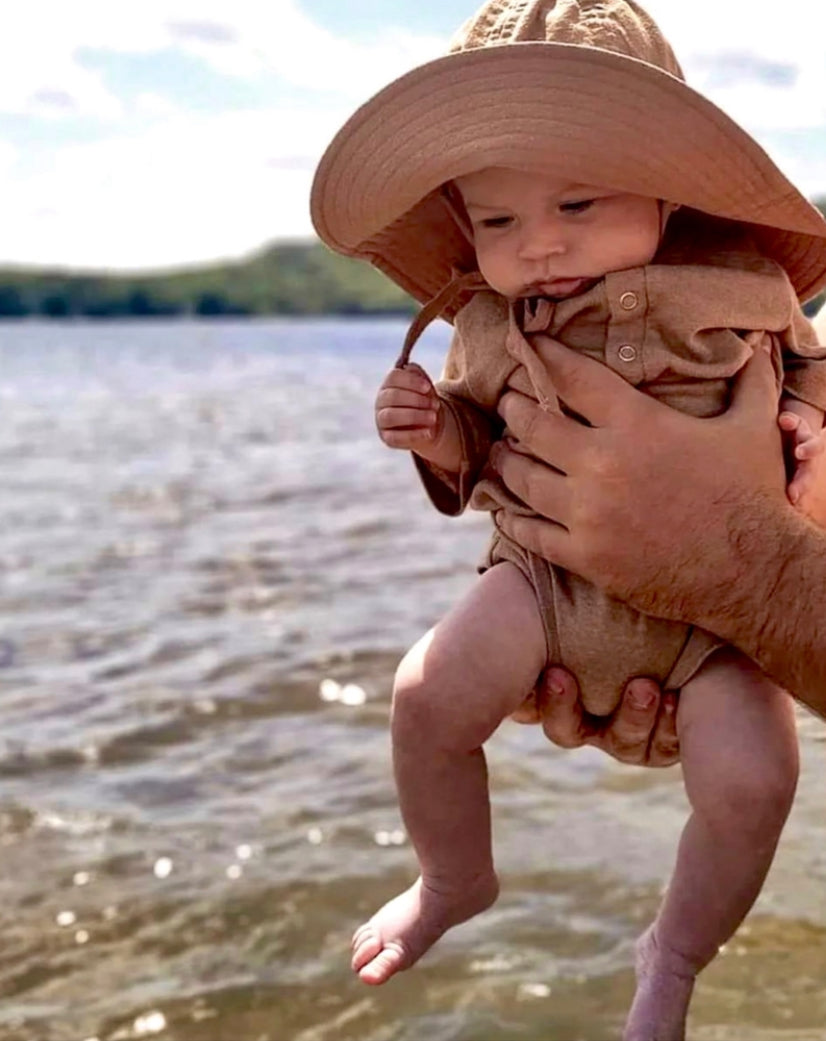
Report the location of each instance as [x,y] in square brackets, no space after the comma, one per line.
[673,296]
[536,237]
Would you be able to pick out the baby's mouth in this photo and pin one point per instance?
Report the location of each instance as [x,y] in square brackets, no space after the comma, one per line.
[559,288]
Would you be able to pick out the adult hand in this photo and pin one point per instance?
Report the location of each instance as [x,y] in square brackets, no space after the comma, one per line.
[657,507]
[683,518]
[642,730]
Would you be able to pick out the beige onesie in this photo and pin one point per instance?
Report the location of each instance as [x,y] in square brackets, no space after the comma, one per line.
[677,329]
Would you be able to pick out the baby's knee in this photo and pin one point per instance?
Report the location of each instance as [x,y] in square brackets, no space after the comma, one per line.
[422,703]
[415,691]
[757,797]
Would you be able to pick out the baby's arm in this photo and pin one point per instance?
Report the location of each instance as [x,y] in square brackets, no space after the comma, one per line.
[411,415]
[804,439]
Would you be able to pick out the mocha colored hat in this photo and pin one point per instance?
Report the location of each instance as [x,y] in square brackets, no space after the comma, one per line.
[588,90]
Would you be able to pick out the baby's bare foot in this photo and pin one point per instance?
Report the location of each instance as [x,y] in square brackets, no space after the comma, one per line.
[401,931]
[665,981]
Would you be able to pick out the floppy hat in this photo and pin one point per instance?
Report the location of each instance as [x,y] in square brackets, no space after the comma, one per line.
[583,89]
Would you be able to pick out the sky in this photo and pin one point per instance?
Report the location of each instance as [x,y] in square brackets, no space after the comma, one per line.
[146,134]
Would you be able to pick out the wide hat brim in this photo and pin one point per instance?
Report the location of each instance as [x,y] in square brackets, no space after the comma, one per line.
[588,115]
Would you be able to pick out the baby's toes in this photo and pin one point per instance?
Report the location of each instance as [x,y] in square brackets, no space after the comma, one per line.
[384,965]
[366,945]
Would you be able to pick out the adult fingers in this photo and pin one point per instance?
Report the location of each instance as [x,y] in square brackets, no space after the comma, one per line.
[627,736]
[664,749]
[557,696]
[549,540]
[555,438]
[542,487]
[588,387]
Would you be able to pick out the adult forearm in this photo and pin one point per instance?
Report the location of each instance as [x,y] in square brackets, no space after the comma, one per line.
[774,612]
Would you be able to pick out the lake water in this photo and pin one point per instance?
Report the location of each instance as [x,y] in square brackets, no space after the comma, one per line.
[198,527]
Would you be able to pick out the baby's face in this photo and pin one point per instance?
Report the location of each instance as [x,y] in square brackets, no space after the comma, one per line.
[539,236]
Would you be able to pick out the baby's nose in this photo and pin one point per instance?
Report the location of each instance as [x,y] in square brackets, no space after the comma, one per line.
[541,241]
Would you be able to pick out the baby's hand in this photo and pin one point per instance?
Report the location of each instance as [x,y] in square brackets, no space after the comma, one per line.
[408,409]
[804,439]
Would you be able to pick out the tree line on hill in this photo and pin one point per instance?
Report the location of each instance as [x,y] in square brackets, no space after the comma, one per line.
[300,278]
[297,278]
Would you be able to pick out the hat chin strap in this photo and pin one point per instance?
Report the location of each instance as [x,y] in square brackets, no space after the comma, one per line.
[452,200]
[460,283]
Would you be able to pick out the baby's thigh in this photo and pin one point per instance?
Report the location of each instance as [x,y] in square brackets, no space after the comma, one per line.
[738,738]
[482,659]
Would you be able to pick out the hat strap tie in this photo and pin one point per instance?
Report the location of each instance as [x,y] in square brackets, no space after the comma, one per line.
[452,201]
[471,281]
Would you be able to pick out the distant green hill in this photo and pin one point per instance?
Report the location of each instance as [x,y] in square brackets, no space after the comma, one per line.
[297,278]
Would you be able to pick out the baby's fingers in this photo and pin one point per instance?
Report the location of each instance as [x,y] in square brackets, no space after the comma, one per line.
[788,421]
[804,478]
[395,397]
[407,409]
[798,426]
[409,438]
[810,449]
[412,369]
[412,378]
[406,418]
[407,428]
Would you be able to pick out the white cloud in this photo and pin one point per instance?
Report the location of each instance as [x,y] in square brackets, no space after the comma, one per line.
[187,189]
[42,80]
[151,105]
[246,38]
[724,44]
[41,49]
[8,156]
[708,26]
[164,186]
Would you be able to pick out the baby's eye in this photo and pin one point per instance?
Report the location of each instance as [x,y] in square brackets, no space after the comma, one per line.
[579,206]
[495,222]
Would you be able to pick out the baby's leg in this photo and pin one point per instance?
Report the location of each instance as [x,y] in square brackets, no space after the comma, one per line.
[740,764]
[452,690]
